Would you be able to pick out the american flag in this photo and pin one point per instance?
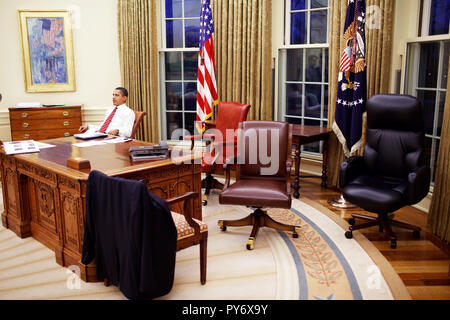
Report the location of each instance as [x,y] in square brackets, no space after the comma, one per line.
[206,76]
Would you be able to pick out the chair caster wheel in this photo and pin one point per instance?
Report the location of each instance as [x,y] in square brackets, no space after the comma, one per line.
[295,234]
[250,244]
[204,202]
[416,234]
[222,227]
[393,244]
[349,234]
[351,221]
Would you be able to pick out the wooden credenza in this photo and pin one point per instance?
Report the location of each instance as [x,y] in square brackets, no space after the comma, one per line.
[44,123]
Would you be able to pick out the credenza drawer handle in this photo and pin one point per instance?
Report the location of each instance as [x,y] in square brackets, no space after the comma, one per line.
[65,113]
[66,134]
[66,123]
[24,114]
[26,136]
[25,125]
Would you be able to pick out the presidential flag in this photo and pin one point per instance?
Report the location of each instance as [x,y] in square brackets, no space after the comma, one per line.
[351,92]
[206,76]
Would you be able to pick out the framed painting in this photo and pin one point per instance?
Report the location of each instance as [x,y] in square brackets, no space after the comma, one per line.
[47,50]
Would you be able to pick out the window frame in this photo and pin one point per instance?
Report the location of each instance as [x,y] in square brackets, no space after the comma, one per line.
[162,70]
[280,80]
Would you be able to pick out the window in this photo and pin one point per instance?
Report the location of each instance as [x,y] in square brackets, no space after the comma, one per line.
[426,79]
[179,62]
[435,17]
[303,66]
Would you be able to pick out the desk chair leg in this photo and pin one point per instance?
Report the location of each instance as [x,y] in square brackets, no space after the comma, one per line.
[203,257]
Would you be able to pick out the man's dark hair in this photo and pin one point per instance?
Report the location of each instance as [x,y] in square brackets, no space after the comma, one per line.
[123,90]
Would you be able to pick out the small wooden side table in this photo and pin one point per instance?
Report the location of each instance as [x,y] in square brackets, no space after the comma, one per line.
[301,135]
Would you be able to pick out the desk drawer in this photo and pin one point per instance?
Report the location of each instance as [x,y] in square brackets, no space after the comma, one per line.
[45,113]
[45,124]
[42,134]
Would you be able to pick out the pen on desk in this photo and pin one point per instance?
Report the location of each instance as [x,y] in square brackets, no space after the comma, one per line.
[109,138]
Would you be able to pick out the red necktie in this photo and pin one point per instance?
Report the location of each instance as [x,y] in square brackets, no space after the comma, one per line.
[107,121]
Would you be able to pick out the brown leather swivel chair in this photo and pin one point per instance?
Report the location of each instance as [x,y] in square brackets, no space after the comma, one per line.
[138,116]
[257,184]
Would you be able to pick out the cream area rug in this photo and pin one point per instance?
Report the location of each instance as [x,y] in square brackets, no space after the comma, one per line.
[320,264]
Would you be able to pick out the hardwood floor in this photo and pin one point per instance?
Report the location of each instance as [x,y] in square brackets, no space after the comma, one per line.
[423,264]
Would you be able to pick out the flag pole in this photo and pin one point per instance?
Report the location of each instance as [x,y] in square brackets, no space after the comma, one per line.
[351,91]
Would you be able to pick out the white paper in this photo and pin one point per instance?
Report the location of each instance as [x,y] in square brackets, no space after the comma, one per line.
[116,139]
[42,145]
[89,144]
[28,105]
[25,146]
[89,135]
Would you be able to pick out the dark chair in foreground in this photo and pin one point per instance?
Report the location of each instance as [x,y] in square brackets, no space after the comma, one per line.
[133,235]
[229,115]
[138,117]
[391,174]
[260,184]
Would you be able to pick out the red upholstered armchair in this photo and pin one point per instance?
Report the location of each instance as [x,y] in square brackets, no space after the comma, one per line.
[229,115]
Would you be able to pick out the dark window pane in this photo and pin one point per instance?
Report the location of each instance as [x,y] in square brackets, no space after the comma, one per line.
[173,96]
[190,62]
[325,59]
[313,72]
[192,33]
[318,26]
[173,65]
[294,65]
[325,102]
[313,100]
[192,8]
[298,28]
[325,124]
[189,122]
[173,8]
[174,34]
[190,96]
[428,66]
[174,121]
[439,17]
[294,99]
[428,100]
[298,4]
[445,64]
[319,3]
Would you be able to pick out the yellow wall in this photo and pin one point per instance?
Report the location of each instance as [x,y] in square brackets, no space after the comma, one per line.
[96,59]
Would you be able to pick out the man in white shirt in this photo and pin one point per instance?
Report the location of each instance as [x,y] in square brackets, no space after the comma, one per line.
[121,122]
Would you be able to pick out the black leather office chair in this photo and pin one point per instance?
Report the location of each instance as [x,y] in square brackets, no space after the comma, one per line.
[391,174]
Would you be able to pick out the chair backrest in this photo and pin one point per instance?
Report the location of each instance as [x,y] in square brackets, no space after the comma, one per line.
[263,149]
[138,116]
[395,135]
[229,114]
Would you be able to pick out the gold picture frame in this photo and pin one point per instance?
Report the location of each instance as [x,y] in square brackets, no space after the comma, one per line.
[47,50]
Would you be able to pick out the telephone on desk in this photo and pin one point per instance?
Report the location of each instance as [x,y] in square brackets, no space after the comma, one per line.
[157,152]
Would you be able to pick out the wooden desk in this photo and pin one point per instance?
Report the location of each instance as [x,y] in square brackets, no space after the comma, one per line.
[45,199]
[306,134]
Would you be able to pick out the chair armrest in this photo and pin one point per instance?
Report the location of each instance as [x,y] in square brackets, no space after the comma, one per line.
[209,124]
[418,184]
[187,209]
[227,168]
[351,168]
